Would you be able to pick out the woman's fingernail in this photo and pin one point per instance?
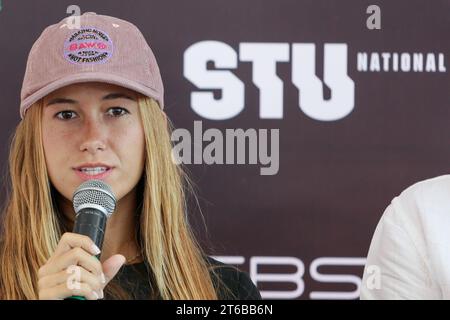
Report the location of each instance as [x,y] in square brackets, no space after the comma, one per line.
[102,278]
[95,294]
[95,249]
[100,293]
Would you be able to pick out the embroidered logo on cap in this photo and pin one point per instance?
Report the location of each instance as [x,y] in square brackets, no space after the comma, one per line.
[88,46]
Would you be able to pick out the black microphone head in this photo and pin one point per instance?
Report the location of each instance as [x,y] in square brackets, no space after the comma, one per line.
[94,194]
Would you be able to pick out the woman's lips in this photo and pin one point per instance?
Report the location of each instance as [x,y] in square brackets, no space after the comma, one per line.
[100,176]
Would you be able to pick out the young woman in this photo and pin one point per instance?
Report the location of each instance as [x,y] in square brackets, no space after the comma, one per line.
[92,107]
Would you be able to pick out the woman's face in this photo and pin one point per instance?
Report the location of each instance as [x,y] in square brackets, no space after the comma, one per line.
[93,124]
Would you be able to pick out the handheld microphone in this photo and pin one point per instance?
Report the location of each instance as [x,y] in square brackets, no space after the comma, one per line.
[94,202]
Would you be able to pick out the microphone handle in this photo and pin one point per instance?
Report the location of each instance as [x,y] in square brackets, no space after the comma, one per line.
[92,223]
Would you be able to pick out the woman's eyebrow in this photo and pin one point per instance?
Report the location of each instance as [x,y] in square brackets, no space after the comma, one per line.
[110,96]
[61,100]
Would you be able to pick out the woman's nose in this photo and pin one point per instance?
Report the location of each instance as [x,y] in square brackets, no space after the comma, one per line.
[93,136]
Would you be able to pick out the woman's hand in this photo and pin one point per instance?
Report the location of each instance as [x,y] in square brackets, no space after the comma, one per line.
[73,270]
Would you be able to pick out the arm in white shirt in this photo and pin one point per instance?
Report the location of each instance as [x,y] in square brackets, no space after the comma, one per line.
[398,258]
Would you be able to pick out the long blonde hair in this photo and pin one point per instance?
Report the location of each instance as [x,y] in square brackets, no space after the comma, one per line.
[32,224]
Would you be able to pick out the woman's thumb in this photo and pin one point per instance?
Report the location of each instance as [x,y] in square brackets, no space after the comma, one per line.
[112,265]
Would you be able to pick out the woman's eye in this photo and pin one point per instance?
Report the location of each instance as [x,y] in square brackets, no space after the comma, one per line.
[113,112]
[64,115]
[117,111]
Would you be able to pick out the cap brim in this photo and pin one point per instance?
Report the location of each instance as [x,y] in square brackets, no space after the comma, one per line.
[89,77]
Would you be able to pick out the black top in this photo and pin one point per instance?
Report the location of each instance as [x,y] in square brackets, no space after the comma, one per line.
[136,279]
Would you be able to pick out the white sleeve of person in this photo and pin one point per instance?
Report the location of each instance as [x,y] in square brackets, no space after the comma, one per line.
[409,256]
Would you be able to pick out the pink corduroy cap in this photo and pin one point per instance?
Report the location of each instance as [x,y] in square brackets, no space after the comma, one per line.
[103,49]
